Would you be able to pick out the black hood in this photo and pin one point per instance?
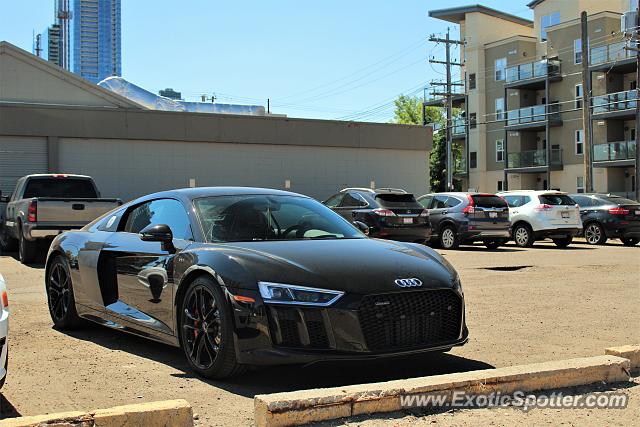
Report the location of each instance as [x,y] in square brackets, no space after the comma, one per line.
[361,266]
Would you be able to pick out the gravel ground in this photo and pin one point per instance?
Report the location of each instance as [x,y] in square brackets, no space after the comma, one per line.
[549,304]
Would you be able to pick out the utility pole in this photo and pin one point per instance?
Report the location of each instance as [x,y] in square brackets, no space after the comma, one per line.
[448,93]
[586,105]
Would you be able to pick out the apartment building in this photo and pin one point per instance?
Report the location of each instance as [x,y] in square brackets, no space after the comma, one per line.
[520,125]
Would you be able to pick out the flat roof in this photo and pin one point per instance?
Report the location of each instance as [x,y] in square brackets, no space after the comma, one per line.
[534,3]
[457,14]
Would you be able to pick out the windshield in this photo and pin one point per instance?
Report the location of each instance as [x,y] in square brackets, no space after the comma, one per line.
[60,187]
[395,200]
[266,217]
[621,201]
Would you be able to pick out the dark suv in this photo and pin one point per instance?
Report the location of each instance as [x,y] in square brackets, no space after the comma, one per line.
[607,216]
[458,218]
[389,213]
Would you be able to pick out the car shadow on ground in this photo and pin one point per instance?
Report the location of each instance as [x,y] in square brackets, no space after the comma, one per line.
[7,410]
[38,265]
[286,378]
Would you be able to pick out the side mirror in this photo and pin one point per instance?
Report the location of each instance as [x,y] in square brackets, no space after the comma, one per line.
[156,233]
[3,199]
[362,227]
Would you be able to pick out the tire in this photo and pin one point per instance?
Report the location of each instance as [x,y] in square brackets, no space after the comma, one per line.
[60,297]
[630,241]
[564,242]
[594,234]
[449,238]
[492,245]
[6,367]
[27,251]
[206,337]
[7,243]
[523,236]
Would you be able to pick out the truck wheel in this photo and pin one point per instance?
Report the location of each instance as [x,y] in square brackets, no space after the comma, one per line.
[7,243]
[27,250]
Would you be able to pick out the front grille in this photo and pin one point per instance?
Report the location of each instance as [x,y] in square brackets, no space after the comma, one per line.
[410,319]
[298,327]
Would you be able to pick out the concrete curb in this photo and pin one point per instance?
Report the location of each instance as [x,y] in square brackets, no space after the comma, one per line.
[305,406]
[152,414]
[631,352]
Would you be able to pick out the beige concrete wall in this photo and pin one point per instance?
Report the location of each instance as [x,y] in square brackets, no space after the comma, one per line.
[480,29]
[130,168]
[570,9]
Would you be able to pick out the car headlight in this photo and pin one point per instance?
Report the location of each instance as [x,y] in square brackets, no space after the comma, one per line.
[457,285]
[279,293]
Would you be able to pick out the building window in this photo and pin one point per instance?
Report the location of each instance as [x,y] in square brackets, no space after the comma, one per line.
[473,160]
[500,68]
[472,120]
[578,96]
[547,21]
[499,150]
[500,186]
[580,184]
[499,108]
[577,51]
[472,81]
[579,142]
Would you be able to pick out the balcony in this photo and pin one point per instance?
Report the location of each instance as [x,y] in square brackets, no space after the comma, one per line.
[533,118]
[460,165]
[458,129]
[534,161]
[615,105]
[433,98]
[611,154]
[612,57]
[533,75]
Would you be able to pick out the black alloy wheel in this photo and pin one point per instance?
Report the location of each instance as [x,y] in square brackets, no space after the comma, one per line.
[206,334]
[62,305]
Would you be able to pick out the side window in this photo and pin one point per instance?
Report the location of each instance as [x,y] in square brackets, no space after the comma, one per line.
[425,202]
[352,200]
[512,201]
[334,200]
[162,211]
[452,201]
[439,202]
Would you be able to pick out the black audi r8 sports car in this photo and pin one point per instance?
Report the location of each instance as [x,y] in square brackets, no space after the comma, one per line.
[247,276]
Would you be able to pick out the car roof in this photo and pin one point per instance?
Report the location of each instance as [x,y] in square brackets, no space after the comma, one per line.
[199,192]
[538,192]
[459,194]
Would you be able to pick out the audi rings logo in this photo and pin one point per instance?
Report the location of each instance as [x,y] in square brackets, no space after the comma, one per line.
[408,283]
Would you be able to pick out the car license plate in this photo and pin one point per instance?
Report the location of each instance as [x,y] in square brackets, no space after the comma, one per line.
[493,214]
[408,220]
[565,214]
[637,212]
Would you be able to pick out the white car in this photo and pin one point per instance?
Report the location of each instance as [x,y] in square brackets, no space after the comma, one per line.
[537,215]
[4,331]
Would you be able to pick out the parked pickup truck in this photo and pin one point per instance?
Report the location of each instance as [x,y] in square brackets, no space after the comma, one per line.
[43,206]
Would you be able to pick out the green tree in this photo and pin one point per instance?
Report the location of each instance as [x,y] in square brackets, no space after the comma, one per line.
[409,111]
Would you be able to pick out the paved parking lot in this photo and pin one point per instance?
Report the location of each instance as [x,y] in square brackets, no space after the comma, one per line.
[523,305]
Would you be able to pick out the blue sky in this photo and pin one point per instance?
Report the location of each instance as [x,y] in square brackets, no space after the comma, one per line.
[329,59]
